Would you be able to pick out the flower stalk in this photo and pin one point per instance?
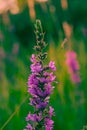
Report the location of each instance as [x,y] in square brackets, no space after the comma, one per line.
[40,85]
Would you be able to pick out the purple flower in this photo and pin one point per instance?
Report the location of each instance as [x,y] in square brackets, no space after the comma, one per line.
[29,127]
[48,89]
[52,77]
[43,80]
[52,66]
[33,58]
[29,117]
[51,110]
[32,80]
[35,91]
[36,68]
[42,105]
[48,124]
[33,117]
[73,66]
[39,103]
[49,77]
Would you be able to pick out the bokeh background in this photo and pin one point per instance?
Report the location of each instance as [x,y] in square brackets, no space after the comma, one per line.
[60,19]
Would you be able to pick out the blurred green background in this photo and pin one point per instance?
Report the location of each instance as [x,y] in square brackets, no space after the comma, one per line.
[60,19]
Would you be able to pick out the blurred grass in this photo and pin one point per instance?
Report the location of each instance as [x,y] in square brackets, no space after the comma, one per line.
[73,116]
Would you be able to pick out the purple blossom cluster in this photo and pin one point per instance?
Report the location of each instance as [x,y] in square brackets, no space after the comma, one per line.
[40,88]
[73,66]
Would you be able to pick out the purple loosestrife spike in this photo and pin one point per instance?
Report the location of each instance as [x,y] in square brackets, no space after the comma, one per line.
[73,66]
[40,86]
